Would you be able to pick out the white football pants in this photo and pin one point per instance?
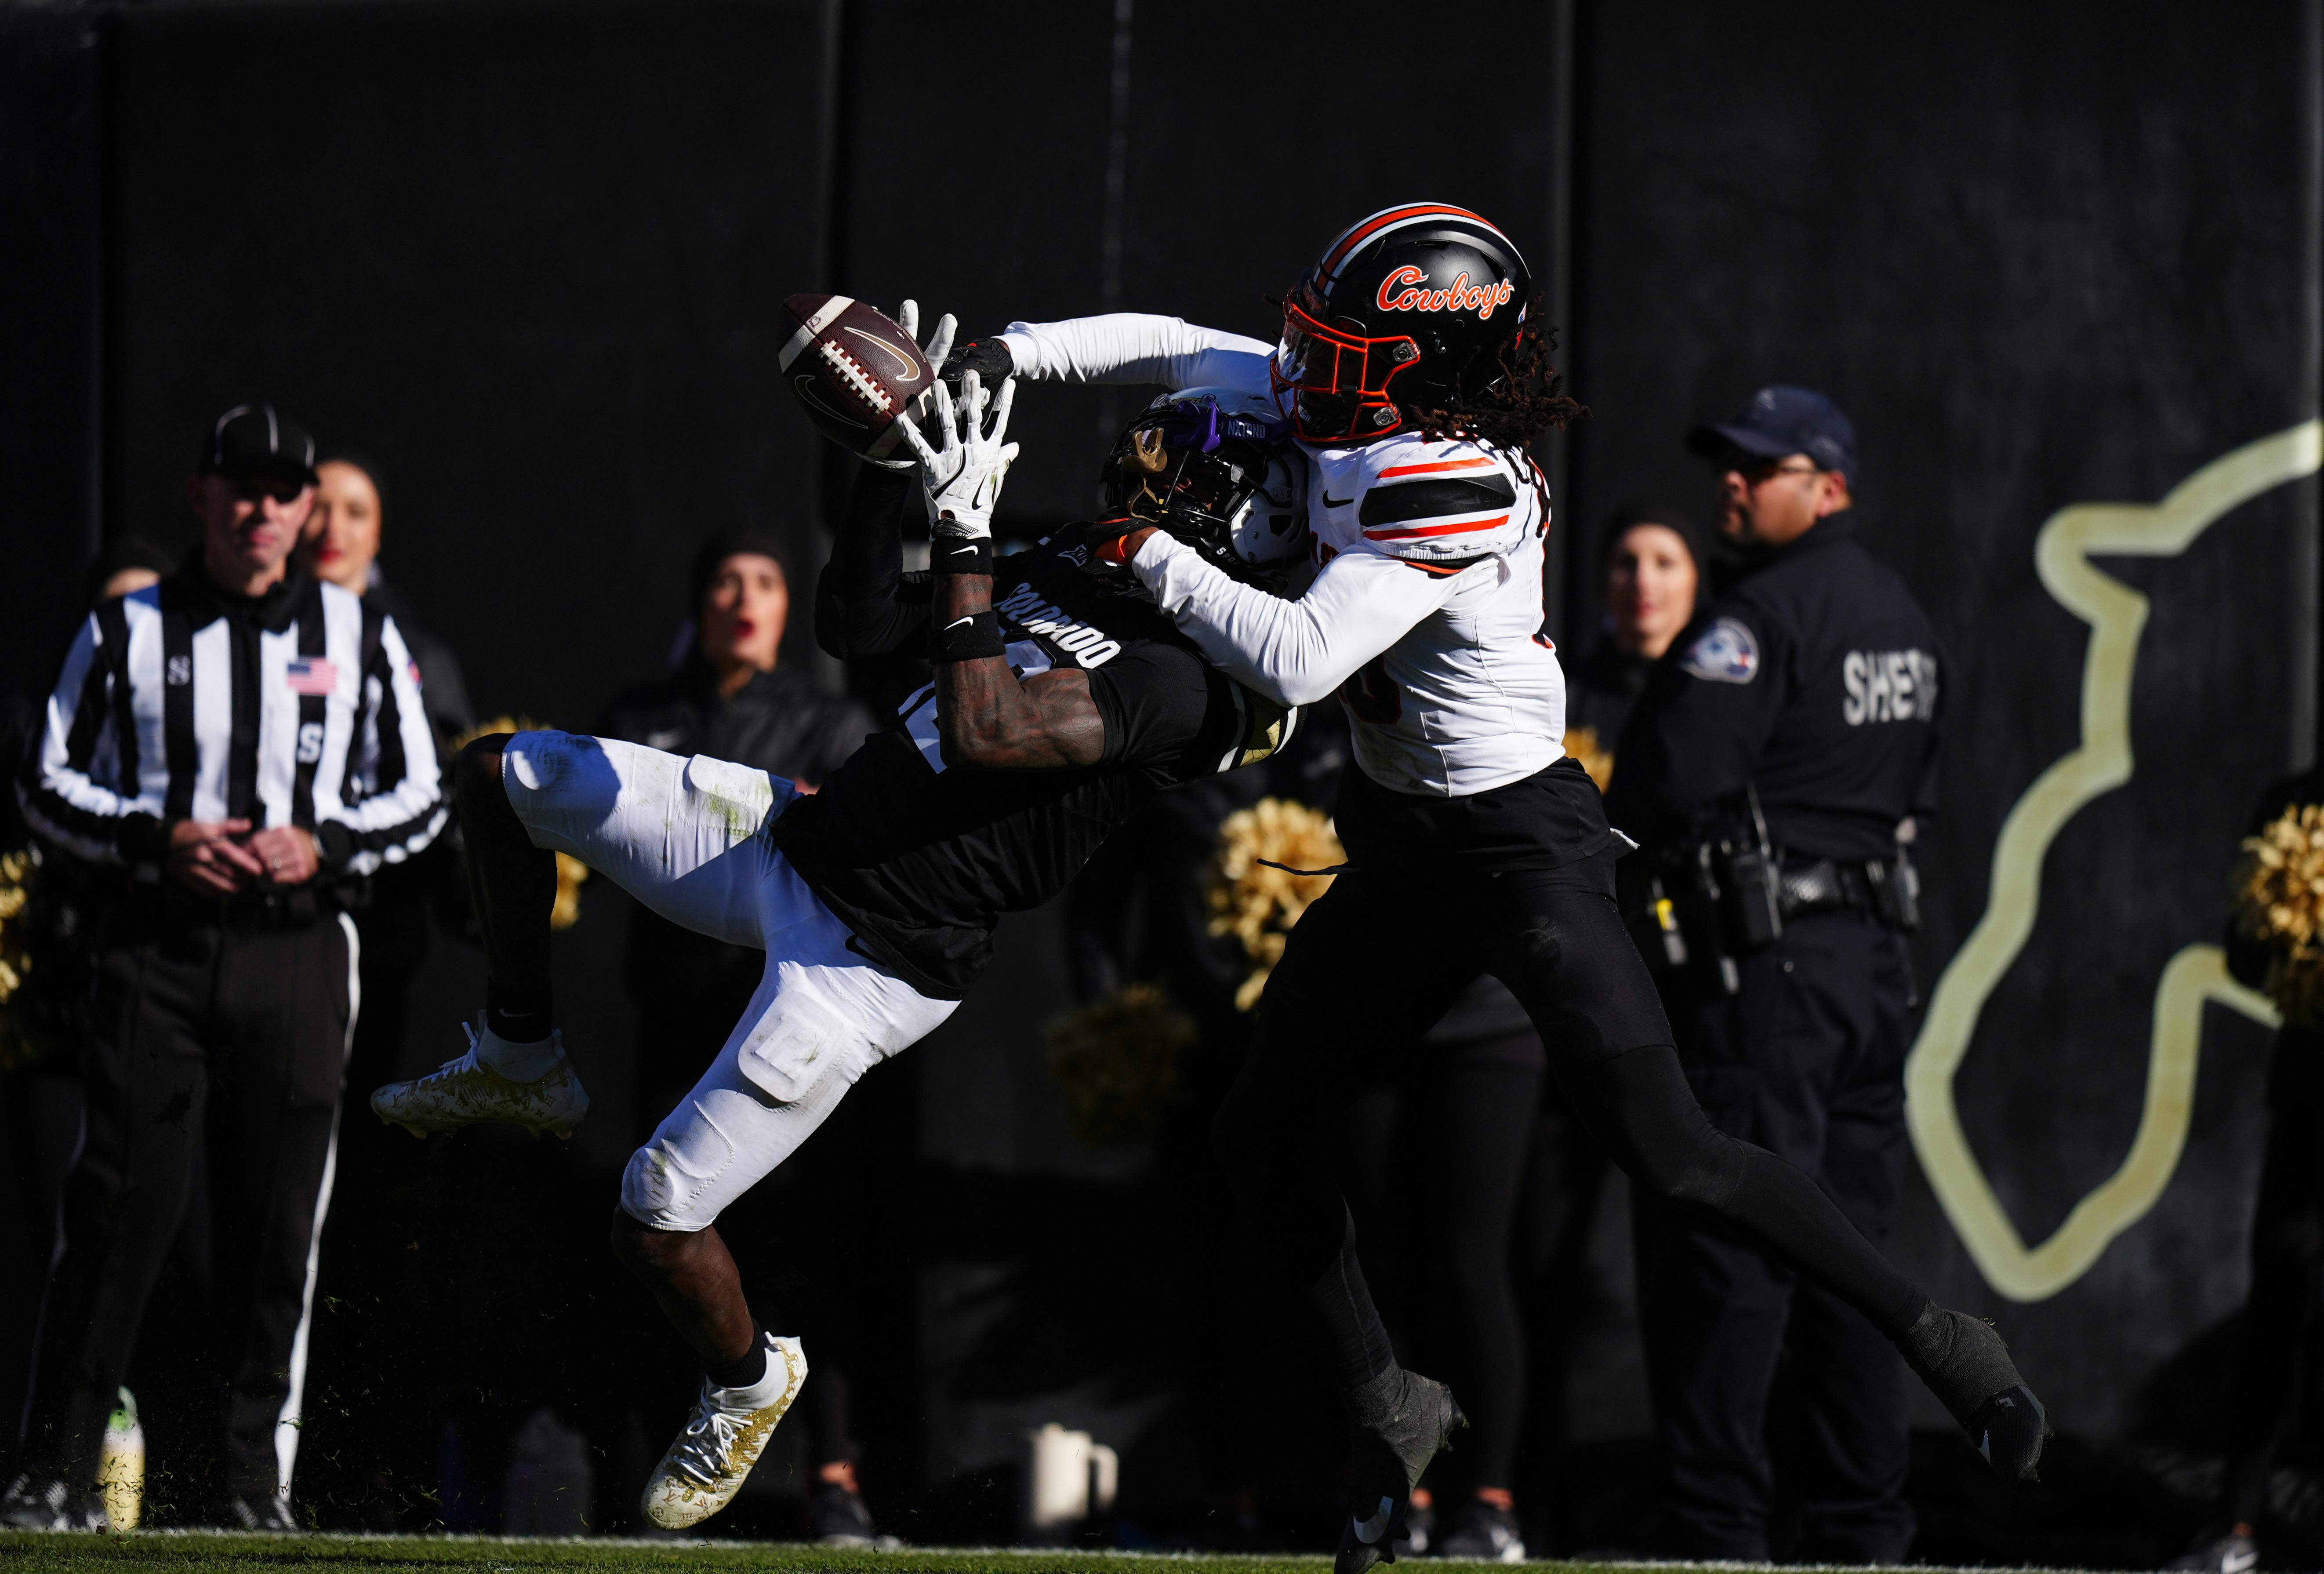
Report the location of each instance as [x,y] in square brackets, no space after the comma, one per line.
[692,840]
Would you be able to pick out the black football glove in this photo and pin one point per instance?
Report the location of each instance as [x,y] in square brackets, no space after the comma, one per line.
[989,359]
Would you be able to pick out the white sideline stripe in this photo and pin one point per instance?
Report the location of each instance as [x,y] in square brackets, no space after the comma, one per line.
[808,330]
[1064,1558]
[49,1284]
[286,1424]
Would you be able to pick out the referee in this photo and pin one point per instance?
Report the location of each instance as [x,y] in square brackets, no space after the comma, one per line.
[237,744]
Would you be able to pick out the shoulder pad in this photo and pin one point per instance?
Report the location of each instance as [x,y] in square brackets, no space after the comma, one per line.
[1445,501]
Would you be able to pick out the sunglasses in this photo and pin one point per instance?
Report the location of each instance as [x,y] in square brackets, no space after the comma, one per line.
[281,489]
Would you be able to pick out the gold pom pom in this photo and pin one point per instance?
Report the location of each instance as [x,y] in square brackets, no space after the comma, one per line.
[2279,895]
[1115,1062]
[570,871]
[22,1040]
[1257,904]
[1581,743]
[499,723]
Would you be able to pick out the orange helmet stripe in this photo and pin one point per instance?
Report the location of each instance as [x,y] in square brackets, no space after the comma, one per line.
[1364,229]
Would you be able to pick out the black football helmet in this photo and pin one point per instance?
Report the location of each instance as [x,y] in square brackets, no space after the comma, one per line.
[1411,306]
[1214,468]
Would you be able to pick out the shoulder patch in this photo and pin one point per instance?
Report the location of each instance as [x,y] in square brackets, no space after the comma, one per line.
[1727,651]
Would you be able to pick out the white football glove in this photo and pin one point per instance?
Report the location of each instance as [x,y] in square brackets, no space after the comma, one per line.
[963,479]
[937,350]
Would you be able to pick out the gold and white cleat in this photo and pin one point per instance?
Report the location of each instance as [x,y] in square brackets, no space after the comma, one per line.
[706,1466]
[464,1092]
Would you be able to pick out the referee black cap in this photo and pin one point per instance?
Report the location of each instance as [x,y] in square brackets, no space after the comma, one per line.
[250,440]
[1781,420]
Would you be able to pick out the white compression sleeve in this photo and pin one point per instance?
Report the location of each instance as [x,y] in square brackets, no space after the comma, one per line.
[1294,653]
[1131,346]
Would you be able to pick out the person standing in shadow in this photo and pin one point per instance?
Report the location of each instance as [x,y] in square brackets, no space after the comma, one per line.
[730,698]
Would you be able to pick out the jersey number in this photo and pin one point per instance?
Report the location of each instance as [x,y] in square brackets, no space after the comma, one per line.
[1371,694]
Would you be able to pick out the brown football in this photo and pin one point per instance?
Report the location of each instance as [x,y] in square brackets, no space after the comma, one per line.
[853,371]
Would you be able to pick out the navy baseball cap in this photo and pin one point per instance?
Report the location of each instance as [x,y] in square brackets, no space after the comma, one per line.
[1781,420]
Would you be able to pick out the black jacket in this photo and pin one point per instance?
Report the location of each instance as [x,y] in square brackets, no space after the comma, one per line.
[780,722]
[1602,689]
[1812,676]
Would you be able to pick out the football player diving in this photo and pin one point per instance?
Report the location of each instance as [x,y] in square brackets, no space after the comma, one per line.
[1063,697]
[1414,375]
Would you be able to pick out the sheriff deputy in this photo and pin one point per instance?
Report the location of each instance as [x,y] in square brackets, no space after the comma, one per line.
[1773,769]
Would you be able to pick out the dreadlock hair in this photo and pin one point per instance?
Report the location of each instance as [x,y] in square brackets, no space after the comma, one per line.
[1513,408]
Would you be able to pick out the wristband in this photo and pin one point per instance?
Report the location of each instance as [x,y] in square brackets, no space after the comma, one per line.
[967,639]
[955,554]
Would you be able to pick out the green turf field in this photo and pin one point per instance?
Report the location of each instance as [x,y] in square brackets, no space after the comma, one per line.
[198,1553]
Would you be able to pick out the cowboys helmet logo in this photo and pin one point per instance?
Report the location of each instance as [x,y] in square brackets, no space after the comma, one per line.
[1725,652]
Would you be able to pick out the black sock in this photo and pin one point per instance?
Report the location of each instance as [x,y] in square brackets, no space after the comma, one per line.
[742,1372]
[517,1015]
[1360,1347]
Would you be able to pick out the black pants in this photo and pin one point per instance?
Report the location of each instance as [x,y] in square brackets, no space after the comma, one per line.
[2283,1342]
[213,1071]
[1471,1116]
[1376,960]
[1806,1061]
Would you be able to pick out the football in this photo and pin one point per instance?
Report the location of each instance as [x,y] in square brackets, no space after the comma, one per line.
[853,371]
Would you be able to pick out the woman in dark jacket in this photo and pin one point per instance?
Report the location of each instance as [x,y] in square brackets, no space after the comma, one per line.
[1653,567]
[729,698]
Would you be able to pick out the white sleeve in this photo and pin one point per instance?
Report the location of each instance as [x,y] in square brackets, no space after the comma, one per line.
[61,795]
[1131,346]
[1295,652]
[402,816]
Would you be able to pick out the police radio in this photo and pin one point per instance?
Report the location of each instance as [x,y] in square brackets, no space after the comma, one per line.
[1706,902]
[1751,887]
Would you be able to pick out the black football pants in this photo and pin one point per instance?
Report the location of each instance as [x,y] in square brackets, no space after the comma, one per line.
[1806,1061]
[213,1070]
[1376,961]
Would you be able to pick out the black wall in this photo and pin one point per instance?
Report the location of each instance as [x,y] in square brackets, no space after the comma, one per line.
[531,256]
[51,147]
[2039,262]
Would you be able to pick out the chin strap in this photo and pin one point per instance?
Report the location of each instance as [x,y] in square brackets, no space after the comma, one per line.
[1334,870]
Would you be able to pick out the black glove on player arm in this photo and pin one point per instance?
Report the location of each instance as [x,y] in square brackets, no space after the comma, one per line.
[989,359]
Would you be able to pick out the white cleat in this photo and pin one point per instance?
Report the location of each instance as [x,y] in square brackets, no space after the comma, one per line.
[464,1092]
[706,1466]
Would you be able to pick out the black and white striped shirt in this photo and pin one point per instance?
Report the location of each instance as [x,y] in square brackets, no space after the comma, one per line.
[299,708]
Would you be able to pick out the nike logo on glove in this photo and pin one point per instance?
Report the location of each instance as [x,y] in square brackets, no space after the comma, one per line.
[1331,501]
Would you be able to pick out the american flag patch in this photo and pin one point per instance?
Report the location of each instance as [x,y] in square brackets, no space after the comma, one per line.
[312,675]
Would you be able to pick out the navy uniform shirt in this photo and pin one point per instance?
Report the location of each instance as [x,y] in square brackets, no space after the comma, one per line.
[1812,676]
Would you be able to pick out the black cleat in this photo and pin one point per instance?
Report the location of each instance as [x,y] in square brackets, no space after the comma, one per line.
[1965,1363]
[1398,1423]
[2236,1552]
[1483,1533]
[52,1505]
[839,1518]
[268,1512]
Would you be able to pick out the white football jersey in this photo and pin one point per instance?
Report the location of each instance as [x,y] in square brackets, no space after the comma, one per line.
[1426,613]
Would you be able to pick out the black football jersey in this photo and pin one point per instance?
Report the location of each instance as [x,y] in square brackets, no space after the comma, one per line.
[920,860]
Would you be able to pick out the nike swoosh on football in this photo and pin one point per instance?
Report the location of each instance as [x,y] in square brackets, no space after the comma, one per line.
[1331,501]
